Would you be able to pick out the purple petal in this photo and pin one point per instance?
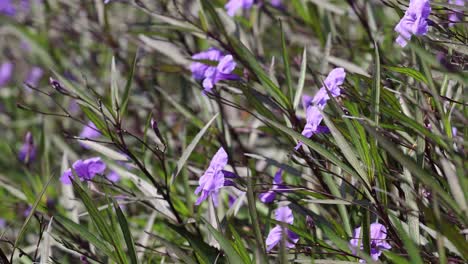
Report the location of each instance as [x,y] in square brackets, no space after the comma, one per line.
[6,71]
[284,214]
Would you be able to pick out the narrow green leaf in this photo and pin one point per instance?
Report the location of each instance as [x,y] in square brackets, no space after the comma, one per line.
[114,87]
[423,175]
[301,82]
[80,230]
[186,154]
[407,71]
[205,252]
[100,223]
[128,85]
[191,117]
[176,250]
[287,68]
[239,246]
[22,231]
[225,244]
[126,233]
[409,244]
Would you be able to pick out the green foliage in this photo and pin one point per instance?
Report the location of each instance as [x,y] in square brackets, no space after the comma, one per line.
[395,153]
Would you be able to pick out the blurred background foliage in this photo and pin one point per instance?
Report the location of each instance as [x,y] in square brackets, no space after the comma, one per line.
[396,152]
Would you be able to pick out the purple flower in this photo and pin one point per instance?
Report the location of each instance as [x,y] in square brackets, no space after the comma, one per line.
[276,3]
[269,197]
[27,152]
[334,79]
[213,179]
[283,214]
[456,15]
[7,8]
[213,74]
[378,236]
[454,131]
[34,76]
[314,106]
[306,101]
[2,223]
[113,176]
[414,22]
[233,5]
[6,72]
[198,68]
[84,169]
[27,211]
[89,131]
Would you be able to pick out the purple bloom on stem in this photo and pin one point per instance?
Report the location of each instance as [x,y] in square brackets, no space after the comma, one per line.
[269,197]
[378,236]
[283,214]
[456,15]
[213,179]
[34,76]
[89,131]
[414,22]
[314,106]
[84,169]
[233,5]
[27,152]
[2,223]
[221,72]
[198,68]
[213,74]
[6,72]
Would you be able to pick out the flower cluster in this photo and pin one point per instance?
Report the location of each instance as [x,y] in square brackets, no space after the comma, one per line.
[211,75]
[378,236]
[414,22]
[315,105]
[282,214]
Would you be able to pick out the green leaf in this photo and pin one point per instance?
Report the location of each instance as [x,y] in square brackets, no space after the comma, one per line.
[287,68]
[181,109]
[97,241]
[128,85]
[104,229]
[407,71]
[114,87]
[225,244]
[126,233]
[301,82]
[22,231]
[239,246]
[186,154]
[205,252]
[409,244]
[424,176]
[176,250]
